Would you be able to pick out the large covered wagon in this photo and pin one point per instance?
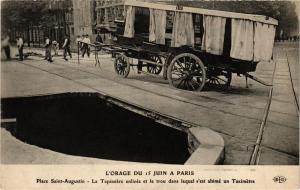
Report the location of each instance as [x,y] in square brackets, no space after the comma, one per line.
[197,47]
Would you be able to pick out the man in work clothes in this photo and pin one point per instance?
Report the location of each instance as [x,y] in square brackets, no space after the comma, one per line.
[48,46]
[55,46]
[85,45]
[20,45]
[66,47]
[5,46]
[98,41]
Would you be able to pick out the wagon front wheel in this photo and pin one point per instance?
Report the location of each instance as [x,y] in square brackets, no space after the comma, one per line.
[122,65]
[186,71]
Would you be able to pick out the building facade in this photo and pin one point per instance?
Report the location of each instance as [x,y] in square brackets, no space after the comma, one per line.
[83,17]
[108,12]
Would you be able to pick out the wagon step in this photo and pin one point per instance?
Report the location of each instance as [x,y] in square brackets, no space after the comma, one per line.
[247,75]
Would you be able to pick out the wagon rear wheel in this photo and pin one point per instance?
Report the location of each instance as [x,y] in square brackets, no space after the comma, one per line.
[218,77]
[122,65]
[187,72]
[154,69]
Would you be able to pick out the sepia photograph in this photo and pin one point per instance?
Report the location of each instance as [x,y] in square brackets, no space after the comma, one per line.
[188,85]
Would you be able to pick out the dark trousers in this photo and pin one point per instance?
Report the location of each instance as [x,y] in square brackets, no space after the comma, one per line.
[85,49]
[21,53]
[7,51]
[48,53]
[67,51]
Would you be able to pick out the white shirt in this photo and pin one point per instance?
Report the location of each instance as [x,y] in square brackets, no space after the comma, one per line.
[86,40]
[78,40]
[65,43]
[20,42]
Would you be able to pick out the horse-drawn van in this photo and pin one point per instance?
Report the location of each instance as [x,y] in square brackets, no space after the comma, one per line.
[202,47]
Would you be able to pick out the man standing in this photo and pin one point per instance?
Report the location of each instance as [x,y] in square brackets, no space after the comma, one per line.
[48,47]
[99,39]
[5,45]
[66,47]
[78,40]
[20,45]
[55,45]
[86,48]
[78,44]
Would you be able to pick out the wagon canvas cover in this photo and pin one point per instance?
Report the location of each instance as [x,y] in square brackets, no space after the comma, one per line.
[252,36]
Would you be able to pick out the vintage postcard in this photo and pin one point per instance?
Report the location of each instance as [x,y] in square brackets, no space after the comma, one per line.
[149,94]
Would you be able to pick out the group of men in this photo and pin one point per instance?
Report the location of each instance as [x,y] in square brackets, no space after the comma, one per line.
[83,43]
[5,45]
[49,45]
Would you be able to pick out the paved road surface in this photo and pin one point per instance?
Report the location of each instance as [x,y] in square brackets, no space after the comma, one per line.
[280,142]
[235,113]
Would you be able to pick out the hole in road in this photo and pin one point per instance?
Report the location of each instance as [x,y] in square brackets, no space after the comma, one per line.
[86,125]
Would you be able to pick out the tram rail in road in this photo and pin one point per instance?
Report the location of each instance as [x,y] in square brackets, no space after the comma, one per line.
[292,83]
[255,158]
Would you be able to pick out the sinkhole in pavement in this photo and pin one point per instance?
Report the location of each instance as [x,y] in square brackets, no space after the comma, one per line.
[86,125]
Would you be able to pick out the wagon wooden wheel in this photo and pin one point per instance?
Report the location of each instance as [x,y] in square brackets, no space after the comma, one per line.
[122,65]
[187,72]
[154,69]
[217,76]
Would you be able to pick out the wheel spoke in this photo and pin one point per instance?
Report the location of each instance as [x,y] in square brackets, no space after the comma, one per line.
[197,75]
[196,83]
[218,78]
[179,75]
[179,78]
[178,85]
[183,84]
[178,68]
[196,71]
[179,63]
[187,85]
[191,84]
[177,72]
